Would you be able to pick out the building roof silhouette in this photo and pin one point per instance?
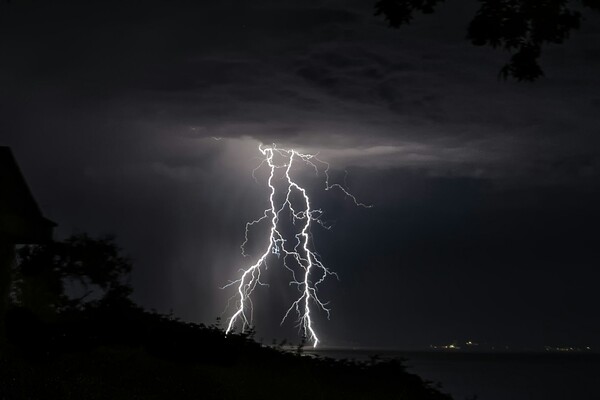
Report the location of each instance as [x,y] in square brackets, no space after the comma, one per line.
[21,221]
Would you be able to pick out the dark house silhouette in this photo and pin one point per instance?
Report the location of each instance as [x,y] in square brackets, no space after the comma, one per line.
[21,221]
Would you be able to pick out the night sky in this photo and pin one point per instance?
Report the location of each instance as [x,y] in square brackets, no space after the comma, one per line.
[485,219]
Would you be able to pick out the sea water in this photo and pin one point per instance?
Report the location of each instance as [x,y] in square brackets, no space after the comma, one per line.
[498,376]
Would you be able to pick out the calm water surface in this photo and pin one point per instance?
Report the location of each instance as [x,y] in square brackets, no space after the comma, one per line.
[500,376]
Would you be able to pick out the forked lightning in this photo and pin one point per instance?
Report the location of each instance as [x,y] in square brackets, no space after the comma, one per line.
[307,270]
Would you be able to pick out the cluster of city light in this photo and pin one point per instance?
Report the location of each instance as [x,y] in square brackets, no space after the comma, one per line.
[297,255]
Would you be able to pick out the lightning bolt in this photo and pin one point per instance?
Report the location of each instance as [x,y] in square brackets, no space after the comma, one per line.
[297,257]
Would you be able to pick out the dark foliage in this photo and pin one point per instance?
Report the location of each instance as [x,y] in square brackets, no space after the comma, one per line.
[398,12]
[95,266]
[107,353]
[520,26]
[109,348]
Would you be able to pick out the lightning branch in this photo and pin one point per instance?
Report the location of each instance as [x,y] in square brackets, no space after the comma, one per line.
[298,257]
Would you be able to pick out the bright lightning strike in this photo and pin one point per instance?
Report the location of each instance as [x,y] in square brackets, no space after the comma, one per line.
[307,270]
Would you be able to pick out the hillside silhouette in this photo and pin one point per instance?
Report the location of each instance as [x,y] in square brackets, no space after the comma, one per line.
[103,346]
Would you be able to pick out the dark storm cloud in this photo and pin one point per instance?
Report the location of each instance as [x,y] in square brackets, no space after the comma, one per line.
[179,68]
[485,192]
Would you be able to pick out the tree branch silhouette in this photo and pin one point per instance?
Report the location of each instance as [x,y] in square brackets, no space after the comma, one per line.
[521,27]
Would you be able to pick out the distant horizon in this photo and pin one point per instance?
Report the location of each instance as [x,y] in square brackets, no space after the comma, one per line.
[540,350]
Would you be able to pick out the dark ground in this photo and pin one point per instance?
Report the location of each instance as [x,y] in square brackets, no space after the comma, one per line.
[133,354]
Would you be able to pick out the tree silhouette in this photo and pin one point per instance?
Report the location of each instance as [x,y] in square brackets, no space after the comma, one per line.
[520,26]
[46,275]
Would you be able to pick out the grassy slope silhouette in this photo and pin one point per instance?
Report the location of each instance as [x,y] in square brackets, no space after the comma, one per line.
[60,347]
[134,354]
